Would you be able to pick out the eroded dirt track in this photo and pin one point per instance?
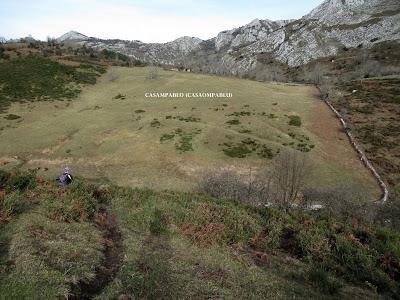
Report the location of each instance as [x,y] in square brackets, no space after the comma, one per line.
[112,260]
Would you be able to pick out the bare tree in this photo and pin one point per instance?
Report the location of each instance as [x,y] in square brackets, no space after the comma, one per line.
[51,41]
[222,184]
[369,68]
[253,187]
[289,175]
[2,40]
[112,75]
[269,73]
[153,73]
[346,202]
[327,88]
[282,186]
[362,57]
[318,74]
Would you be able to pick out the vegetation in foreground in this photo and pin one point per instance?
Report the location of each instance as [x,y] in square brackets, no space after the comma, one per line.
[182,245]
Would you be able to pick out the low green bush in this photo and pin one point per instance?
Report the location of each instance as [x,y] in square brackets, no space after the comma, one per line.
[159,222]
[166,137]
[239,150]
[21,181]
[323,281]
[295,121]
[12,117]
[119,97]
[12,204]
[4,177]
[155,123]
[233,122]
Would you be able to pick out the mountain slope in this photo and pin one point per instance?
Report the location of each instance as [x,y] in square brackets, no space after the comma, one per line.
[330,27]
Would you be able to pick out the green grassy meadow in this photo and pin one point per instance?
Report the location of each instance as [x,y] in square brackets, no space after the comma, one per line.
[111,132]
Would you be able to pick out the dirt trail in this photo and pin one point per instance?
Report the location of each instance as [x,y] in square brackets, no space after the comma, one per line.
[112,261]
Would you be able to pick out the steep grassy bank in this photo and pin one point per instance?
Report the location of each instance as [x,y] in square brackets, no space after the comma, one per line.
[372,107]
[184,245]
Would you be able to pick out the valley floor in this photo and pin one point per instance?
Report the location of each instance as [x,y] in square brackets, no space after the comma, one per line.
[113,133]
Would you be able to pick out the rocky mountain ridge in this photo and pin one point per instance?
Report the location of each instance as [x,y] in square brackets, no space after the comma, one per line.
[330,27]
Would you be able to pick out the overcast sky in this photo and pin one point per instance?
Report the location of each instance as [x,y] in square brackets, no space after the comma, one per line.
[145,20]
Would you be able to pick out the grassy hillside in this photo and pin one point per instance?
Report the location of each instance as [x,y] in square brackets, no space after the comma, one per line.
[114,133]
[32,78]
[372,106]
[109,242]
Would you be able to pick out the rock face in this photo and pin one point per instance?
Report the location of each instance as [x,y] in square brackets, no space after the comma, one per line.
[255,31]
[163,53]
[333,25]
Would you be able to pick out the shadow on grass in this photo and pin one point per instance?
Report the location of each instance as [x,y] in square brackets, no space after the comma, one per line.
[155,279]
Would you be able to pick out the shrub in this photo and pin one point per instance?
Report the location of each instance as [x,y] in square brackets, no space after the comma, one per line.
[347,203]
[159,222]
[12,117]
[155,123]
[295,121]
[12,204]
[239,151]
[187,119]
[184,144]
[222,184]
[266,152]
[120,97]
[252,188]
[233,122]
[314,243]
[108,54]
[4,177]
[354,262]
[323,281]
[166,137]
[21,181]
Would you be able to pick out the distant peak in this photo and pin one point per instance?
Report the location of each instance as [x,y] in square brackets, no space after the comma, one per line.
[72,35]
[187,38]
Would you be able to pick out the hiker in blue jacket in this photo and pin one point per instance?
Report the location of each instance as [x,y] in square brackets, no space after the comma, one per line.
[66,178]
